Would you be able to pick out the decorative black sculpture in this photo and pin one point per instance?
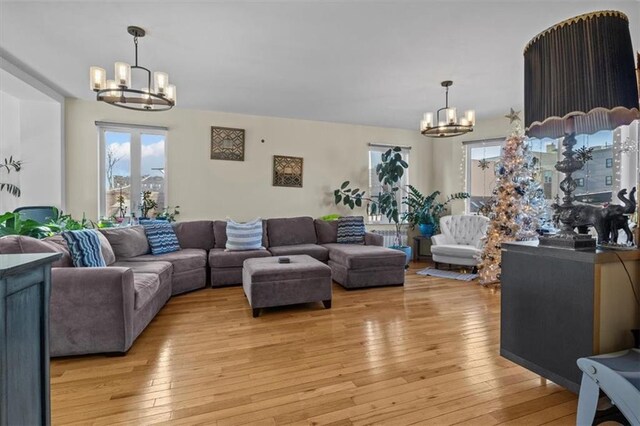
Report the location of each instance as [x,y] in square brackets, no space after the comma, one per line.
[605,220]
[620,221]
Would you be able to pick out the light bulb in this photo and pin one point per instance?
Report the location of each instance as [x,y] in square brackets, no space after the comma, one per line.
[450,114]
[471,117]
[123,74]
[97,78]
[428,117]
[111,84]
[161,80]
[171,93]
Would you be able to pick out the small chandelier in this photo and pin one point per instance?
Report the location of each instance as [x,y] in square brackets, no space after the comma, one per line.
[118,92]
[449,125]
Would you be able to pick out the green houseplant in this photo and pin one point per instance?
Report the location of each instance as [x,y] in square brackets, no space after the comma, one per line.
[389,172]
[13,224]
[169,214]
[425,210]
[147,205]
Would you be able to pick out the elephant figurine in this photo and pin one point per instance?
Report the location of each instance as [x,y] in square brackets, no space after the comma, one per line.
[603,219]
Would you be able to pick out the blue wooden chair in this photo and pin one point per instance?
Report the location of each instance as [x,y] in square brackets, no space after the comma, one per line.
[40,214]
[618,376]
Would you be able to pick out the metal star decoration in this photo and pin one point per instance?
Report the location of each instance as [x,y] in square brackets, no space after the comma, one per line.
[483,164]
[513,116]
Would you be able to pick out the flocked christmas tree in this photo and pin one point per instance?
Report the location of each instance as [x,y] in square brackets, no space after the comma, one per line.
[517,201]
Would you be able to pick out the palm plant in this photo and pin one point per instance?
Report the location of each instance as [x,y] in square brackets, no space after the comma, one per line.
[426,209]
[8,165]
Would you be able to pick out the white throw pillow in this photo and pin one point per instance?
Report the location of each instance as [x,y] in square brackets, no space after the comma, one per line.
[244,236]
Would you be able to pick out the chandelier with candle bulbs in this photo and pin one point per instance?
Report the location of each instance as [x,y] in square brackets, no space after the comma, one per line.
[118,92]
[448,125]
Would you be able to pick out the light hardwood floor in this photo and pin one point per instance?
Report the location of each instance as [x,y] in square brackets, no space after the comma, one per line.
[426,353]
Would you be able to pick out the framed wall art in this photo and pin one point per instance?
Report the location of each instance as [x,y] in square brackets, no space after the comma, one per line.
[227,143]
[287,171]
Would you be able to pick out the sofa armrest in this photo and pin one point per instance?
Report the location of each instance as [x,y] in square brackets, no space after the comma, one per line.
[91,310]
[371,239]
[439,239]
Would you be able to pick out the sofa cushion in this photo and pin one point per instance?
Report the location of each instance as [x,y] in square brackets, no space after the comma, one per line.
[244,236]
[195,234]
[326,231]
[161,236]
[126,242]
[456,250]
[220,234]
[220,258]
[84,246]
[155,267]
[291,231]
[182,260]
[350,230]
[317,252]
[145,286]
[355,256]
[17,244]
[106,249]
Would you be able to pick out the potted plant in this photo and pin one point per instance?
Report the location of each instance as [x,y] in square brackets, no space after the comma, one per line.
[389,173]
[148,205]
[169,214]
[425,210]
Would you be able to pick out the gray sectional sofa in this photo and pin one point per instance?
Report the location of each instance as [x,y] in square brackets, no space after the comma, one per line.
[103,310]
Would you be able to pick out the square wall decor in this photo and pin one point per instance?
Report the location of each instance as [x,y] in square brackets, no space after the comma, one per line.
[227,143]
[287,171]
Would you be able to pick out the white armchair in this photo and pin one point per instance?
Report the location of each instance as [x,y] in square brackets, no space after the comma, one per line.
[460,241]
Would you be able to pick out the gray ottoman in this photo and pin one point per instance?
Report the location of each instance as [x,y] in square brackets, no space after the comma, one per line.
[268,283]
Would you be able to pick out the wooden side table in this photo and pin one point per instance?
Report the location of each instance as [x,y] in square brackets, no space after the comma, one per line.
[25,285]
[419,242]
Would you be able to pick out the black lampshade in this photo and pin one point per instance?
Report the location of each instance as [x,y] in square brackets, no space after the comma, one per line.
[582,68]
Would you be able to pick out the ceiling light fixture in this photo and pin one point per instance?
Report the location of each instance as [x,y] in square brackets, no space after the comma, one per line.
[449,126]
[118,92]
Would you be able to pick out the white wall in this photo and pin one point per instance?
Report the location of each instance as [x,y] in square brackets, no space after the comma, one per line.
[9,145]
[30,131]
[206,188]
[41,154]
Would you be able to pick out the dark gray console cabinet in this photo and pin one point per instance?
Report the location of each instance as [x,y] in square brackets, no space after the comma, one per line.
[558,305]
[25,284]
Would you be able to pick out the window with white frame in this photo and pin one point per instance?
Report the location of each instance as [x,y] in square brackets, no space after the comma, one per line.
[603,172]
[375,188]
[132,161]
[482,157]
[594,181]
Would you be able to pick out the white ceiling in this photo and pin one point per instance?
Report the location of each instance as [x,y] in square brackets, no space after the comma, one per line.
[375,63]
[20,90]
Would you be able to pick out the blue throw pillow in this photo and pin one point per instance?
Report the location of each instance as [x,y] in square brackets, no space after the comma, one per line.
[84,247]
[244,236]
[162,238]
[351,230]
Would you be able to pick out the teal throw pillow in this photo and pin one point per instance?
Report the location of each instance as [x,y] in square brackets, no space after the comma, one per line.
[351,230]
[84,247]
[162,238]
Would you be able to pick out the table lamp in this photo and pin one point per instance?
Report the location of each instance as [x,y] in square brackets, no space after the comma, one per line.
[579,79]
